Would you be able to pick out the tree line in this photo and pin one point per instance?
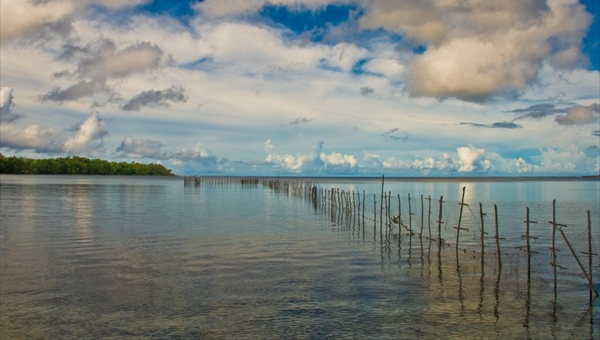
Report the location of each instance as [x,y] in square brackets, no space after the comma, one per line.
[78,166]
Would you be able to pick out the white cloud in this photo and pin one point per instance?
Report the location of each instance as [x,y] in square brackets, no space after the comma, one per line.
[497,49]
[88,136]
[6,104]
[20,17]
[139,148]
[25,17]
[337,159]
[269,145]
[470,159]
[32,137]
[390,68]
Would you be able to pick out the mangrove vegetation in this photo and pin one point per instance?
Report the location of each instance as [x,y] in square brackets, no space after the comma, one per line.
[78,166]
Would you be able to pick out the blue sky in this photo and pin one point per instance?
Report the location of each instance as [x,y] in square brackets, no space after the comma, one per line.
[306,87]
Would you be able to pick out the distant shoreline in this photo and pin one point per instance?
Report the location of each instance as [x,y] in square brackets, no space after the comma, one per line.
[414,178]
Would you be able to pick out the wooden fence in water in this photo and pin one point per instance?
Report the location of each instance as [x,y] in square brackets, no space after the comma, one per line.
[397,217]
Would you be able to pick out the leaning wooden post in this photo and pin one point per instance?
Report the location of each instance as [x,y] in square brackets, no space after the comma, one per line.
[587,276]
[462,204]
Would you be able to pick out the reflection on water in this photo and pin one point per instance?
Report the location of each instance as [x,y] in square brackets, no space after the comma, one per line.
[92,258]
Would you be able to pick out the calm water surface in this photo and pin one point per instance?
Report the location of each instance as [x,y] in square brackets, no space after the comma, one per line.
[115,257]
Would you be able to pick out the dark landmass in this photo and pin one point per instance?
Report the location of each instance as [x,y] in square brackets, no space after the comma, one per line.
[78,166]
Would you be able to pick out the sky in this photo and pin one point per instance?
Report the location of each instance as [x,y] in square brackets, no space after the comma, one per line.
[306,87]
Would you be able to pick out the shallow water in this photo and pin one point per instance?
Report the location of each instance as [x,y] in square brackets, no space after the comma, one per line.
[112,257]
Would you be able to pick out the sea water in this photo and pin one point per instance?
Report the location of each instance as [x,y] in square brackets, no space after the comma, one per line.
[116,257]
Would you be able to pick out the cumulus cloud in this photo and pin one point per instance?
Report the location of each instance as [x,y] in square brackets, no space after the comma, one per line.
[198,154]
[21,18]
[25,17]
[471,158]
[337,159]
[88,136]
[478,50]
[473,50]
[6,103]
[140,148]
[156,98]
[101,61]
[580,115]
[314,162]
[106,61]
[32,137]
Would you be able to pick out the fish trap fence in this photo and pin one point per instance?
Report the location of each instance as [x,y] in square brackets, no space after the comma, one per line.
[545,240]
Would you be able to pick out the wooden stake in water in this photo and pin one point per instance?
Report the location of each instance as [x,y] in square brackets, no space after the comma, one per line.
[462,204]
[375,210]
[528,246]
[421,216]
[498,252]
[363,210]
[399,212]
[440,221]
[590,250]
[481,235]
[409,216]
[429,215]
[554,245]
[381,205]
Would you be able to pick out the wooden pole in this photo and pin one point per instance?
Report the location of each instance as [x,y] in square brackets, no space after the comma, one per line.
[381,205]
[422,220]
[409,217]
[587,276]
[363,210]
[498,252]
[399,212]
[440,221]
[554,245]
[482,235]
[429,215]
[528,246]
[589,230]
[462,204]
[375,210]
